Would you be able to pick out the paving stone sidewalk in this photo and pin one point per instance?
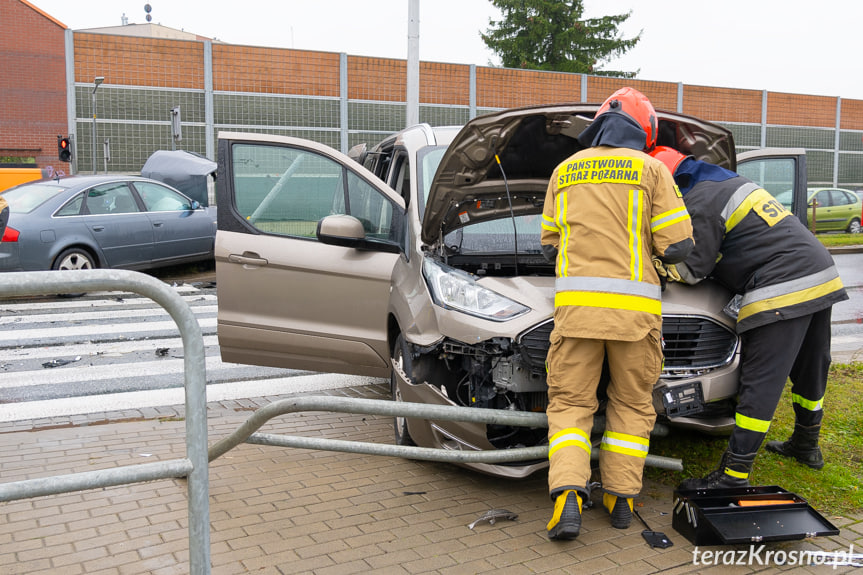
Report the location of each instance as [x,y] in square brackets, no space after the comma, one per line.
[281,510]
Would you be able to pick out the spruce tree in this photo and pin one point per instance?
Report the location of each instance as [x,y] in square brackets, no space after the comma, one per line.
[552,35]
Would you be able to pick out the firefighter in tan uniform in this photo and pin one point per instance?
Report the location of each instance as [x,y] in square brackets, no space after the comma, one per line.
[608,209]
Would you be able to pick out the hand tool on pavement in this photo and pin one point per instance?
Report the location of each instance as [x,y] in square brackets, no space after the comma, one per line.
[653,538]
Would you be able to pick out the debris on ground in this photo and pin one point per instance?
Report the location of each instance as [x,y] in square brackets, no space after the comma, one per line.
[493,515]
[60,362]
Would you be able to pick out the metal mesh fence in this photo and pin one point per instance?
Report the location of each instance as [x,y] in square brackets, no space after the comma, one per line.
[444,115]
[797,137]
[137,122]
[275,111]
[311,94]
[851,170]
[746,136]
[819,167]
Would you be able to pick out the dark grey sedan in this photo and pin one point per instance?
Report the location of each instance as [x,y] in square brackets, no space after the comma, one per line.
[83,222]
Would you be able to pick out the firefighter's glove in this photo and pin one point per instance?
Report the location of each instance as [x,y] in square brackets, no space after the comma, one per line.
[673,274]
[667,272]
[549,252]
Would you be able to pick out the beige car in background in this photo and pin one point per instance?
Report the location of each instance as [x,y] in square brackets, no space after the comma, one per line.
[419,260]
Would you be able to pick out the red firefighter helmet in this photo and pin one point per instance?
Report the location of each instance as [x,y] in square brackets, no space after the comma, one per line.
[668,156]
[634,104]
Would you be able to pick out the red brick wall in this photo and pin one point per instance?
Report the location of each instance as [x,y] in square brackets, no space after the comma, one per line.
[32,83]
[444,83]
[852,114]
[663,95]
[799,110]
[508,88]
[722,104]
[380,79]
[274,71]
[133,61]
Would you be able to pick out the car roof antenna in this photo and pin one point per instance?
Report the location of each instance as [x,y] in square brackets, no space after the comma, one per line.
[511,212]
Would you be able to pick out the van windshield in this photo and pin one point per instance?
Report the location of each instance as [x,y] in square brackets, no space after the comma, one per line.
[428,160]
[490,237]
[498,236]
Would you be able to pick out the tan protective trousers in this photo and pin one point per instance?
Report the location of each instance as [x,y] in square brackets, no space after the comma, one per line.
[574,369]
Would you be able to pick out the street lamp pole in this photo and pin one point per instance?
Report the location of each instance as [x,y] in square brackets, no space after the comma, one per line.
[97,82]
[413,70]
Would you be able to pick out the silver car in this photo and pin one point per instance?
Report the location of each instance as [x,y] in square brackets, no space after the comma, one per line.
[419,259]
[84,222]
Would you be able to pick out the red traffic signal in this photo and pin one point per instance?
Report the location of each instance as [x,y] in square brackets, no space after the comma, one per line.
[64,149]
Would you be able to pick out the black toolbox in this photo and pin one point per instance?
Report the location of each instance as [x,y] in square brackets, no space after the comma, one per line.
[745,515]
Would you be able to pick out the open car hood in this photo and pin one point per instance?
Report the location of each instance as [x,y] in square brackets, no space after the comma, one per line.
[470,185]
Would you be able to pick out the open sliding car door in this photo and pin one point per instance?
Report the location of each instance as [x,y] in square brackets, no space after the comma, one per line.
[780,171]
[306,245]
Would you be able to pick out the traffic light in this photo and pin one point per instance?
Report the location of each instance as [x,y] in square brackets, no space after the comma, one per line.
[64,149]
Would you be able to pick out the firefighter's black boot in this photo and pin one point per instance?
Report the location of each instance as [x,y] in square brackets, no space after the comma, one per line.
[802,446]
[566,521]
[733,471]
[620,509]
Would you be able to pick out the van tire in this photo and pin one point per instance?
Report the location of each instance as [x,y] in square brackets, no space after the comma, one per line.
[401,357]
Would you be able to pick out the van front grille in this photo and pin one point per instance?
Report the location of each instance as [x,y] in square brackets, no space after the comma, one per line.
[690,344]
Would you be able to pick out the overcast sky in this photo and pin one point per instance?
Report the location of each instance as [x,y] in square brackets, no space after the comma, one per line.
[790,46]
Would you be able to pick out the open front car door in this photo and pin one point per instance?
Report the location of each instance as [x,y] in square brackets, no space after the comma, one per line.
[305,251]
[780,171]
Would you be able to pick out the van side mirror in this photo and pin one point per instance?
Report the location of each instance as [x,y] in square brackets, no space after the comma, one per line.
[348,232]
[359,153]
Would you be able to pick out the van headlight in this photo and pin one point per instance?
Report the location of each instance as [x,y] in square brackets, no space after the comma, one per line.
[454,289]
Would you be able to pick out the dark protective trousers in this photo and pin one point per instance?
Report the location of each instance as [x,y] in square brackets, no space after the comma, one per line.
[798,348]
[574,371]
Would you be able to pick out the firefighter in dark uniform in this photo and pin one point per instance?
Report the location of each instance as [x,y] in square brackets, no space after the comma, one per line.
[608,210]
[746,240]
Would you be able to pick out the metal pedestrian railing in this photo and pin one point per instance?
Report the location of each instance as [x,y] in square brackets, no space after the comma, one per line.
[195,465]
[245,433]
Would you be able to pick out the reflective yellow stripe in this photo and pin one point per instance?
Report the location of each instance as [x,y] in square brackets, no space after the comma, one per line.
[609,301]
[548,223]
[753,202]
[751,424]
[738,474]
[626,437]
[569,437]
[608,285]
[742,209]
[807,403]
[668,218]
[623,450]
[682,218]
[624,444]
[633,227]
[563,228]
[789,299]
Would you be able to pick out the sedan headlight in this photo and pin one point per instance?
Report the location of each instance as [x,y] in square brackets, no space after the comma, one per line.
[455,289]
